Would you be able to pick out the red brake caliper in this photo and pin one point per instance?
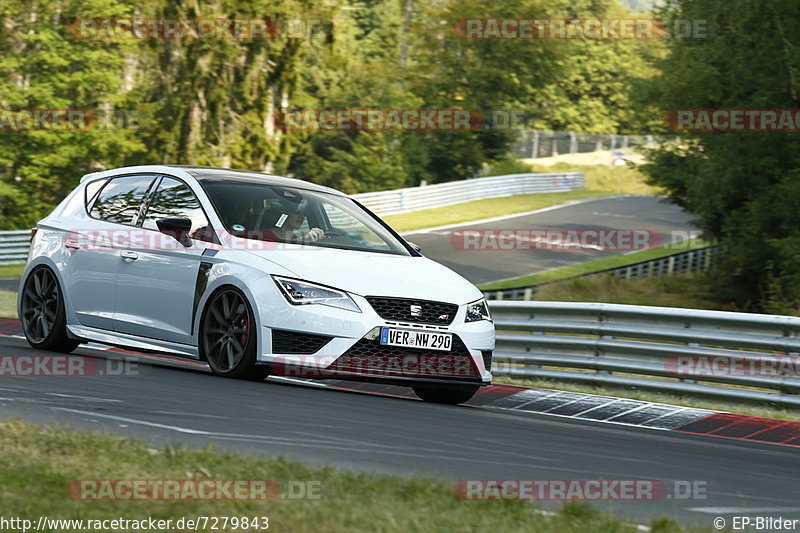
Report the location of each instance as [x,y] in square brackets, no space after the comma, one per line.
[245,327]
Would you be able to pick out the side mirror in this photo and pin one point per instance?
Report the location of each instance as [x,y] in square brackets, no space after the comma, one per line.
[415,247]
[177,228]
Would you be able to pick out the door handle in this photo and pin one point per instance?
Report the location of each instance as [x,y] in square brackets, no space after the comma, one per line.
[72,245]
[128,255]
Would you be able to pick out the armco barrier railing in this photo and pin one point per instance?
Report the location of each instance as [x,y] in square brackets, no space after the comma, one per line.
[710,353]
[697,260]
[14,247]
[539,143]
[456,192]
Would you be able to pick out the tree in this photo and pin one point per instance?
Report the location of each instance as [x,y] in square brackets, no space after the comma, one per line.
[43,67]
[744,188]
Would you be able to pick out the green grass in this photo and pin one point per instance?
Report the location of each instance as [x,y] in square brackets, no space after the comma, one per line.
[481,209]
[8,304]
[594,266]
[601,181]
[38,462]
[11,271]
[686,290]
[634,393]
[619,180]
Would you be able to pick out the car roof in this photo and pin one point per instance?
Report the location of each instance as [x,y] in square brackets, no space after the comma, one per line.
[211,174]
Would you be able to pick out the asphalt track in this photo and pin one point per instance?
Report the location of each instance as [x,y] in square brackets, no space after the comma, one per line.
[608,214]
[183,403]
[171,401]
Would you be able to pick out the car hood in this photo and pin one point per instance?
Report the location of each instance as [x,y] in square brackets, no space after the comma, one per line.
[374,274]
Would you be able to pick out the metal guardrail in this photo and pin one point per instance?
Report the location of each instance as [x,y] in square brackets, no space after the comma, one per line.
[697,260]
[456,192]
[654,348]
[14,246]
[534,144]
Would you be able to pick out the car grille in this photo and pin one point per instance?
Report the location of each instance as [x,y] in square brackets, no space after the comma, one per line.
[439,313]
[294,342]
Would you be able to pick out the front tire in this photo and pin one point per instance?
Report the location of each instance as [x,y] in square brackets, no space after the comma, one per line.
[446,394]
[228,338]
[42,312]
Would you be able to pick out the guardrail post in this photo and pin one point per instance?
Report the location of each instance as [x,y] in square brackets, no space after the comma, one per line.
[573,142]
[528,294]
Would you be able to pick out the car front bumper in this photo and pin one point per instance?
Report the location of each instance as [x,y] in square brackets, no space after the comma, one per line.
[353,351]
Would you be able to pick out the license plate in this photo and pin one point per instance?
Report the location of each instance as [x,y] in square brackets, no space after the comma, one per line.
[407,338]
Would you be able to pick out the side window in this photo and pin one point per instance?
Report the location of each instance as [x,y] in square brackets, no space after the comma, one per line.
[174,199]
[119,201]
[92,189]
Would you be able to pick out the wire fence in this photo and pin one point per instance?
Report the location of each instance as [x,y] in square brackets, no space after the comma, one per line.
[533,144]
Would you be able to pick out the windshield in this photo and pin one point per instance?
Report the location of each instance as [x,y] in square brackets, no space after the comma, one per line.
[298,216]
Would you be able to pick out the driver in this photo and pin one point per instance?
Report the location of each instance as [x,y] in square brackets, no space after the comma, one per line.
[287,219]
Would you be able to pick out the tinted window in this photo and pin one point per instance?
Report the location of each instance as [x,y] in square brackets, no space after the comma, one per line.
[121,198]
[92,189]
[174,199]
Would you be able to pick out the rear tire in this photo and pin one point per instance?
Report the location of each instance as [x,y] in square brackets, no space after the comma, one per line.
[228,338]
[42,312]
[446,394]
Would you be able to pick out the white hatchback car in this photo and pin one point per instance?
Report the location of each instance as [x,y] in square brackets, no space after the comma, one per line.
[257,275]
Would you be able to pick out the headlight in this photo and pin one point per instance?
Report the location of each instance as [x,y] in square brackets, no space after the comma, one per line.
[302,292]
[478,311]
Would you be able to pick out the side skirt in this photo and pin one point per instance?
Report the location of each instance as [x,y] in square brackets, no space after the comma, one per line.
[124,340]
